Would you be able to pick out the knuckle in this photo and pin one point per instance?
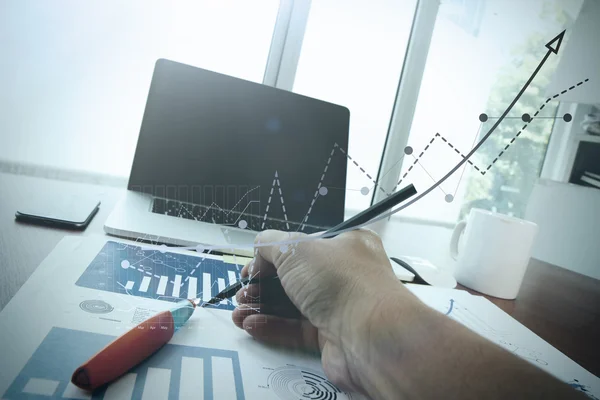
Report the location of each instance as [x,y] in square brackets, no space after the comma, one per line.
[362,235]
[262,236]
[371,238]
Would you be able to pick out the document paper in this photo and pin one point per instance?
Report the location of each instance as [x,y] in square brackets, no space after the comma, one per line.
[92,289]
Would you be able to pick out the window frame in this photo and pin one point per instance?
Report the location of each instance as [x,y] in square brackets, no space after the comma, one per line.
[282,63]
[286,43]
[409,85]
[284,55]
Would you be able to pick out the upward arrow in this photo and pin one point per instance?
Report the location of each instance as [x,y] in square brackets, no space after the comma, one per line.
[552,47]
[554,44]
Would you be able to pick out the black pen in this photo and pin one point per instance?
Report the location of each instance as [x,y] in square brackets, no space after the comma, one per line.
[361,218]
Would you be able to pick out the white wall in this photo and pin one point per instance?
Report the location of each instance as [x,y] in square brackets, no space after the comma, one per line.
[74,75]
[568,217]
[581,57]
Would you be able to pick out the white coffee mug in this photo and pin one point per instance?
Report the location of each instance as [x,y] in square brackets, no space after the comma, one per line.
[495,252]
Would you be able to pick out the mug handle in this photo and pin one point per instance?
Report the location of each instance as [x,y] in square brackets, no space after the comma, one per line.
[458,230]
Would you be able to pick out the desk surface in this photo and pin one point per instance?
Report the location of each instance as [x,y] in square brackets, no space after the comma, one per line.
[560,306]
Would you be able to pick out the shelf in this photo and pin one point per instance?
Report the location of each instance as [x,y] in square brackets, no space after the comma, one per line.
[587,138]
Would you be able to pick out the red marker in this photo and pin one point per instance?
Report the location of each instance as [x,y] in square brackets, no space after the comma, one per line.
[132,348]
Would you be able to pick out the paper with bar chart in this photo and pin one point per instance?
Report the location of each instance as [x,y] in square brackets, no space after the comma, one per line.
[82,297]
[156,274]
[178,372]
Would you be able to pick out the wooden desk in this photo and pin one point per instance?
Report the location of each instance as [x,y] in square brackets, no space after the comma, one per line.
[560,306]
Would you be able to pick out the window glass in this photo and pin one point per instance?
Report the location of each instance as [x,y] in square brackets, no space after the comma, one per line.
[352,55]
[75,74]
[482,53]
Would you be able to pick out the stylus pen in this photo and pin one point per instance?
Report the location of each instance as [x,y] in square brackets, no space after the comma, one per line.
[361,218]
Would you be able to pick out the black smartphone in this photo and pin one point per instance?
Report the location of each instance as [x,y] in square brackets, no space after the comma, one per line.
[68,212]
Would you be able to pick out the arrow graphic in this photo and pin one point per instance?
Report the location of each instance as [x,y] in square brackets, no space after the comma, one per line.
[552,47]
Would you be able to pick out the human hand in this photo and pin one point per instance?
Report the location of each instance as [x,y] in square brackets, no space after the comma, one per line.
[341,297]
[328,297]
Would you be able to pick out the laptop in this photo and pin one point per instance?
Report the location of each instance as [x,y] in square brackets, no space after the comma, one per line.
[219,159]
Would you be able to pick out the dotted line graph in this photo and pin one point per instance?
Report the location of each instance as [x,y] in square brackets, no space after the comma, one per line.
[408,150]
[482,171]
[364,172]
[275,181]
[312,203]
[320,191]
[242,198]
[215,205]
[240,222]
[323,191]
[552,48]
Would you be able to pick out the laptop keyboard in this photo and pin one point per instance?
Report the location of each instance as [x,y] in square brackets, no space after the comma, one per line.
[217,215]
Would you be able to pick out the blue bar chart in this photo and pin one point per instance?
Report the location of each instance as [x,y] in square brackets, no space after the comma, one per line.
[175,372]
[156,274]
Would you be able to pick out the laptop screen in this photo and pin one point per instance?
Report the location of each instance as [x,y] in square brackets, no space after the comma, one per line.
[217,141]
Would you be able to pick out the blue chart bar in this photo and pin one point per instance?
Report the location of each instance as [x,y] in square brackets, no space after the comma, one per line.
[174,372]
[131,270]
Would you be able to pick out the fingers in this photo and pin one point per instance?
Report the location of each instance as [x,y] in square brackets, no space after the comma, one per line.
[269,293]
[258,266]
[244,271]
[264,259]
[268,255]
[243,311]
[280,331]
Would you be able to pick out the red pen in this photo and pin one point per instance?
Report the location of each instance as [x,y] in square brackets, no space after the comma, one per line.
[133,347]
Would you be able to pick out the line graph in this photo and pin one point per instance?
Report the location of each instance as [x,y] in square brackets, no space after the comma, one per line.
[481,170]
[483,327]
[552,47]
[471,320]
[182,206]
[320,191]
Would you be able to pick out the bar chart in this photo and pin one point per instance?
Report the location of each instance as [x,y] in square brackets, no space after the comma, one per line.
[156,274]
[175,372]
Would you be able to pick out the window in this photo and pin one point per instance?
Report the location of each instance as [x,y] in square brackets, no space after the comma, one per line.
[75,74]
[82,69]
[352,55]
[476,68]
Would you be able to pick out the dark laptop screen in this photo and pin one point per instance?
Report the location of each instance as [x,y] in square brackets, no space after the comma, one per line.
[219,141]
